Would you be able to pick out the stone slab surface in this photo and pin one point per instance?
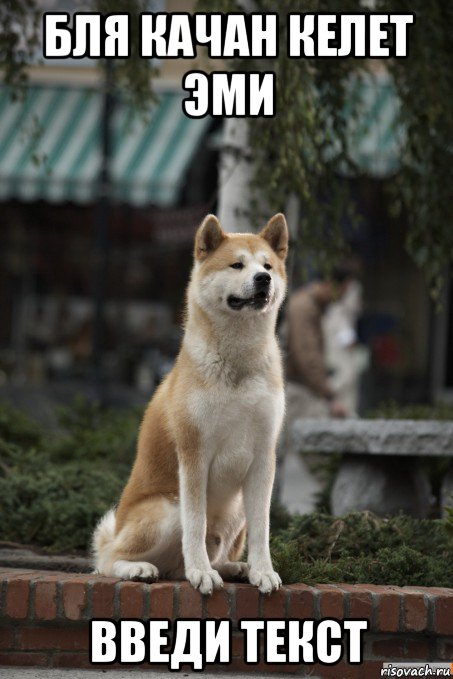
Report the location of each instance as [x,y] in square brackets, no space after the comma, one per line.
[374,437]
[27,558]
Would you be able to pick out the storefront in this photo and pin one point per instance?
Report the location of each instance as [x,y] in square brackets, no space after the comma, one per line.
[163,178]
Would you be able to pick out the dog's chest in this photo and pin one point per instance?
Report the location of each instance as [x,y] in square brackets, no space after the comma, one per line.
[234,423]
[223,412]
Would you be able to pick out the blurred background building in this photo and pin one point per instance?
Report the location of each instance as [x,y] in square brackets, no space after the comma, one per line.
[58,319]
[162,179]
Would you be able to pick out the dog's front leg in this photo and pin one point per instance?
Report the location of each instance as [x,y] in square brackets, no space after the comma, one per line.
[257,501]
[193,487]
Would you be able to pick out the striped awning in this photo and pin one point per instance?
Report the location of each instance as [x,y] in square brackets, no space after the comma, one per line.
[50,147]
[375,136]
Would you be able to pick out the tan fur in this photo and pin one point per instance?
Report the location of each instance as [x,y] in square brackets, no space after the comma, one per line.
[238,546]
[206,448]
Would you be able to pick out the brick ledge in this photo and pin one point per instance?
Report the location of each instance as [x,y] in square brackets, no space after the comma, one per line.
[44,615]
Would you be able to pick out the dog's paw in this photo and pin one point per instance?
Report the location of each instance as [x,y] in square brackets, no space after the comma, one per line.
[266,581]
[234,569]
[135,570]
[204,580]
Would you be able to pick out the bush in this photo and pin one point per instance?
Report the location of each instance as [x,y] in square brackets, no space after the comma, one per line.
[54,489]
[18,428]
[92,433]
[361,547]
[391,410]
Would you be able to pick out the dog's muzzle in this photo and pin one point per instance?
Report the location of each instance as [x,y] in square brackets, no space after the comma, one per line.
[260,298]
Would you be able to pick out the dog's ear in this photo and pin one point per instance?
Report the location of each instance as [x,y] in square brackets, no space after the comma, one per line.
[209,236]
[276,234]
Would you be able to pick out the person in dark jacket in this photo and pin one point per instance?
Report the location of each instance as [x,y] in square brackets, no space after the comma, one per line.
[309,393]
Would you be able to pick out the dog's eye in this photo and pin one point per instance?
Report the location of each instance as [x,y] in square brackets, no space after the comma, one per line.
[237,265]
[268,267]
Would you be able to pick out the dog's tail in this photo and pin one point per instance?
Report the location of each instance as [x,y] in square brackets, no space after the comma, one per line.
[103,537]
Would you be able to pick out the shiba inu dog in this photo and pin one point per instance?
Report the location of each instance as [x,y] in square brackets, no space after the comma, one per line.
[205,462]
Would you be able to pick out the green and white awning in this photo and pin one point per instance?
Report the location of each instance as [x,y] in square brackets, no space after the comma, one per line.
[50,147]
[50,143]
[375,136]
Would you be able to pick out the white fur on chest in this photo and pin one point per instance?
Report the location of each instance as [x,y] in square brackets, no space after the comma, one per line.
[224,412]
[235,424]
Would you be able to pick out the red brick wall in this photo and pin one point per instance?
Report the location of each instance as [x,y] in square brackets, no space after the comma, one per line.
[44,617]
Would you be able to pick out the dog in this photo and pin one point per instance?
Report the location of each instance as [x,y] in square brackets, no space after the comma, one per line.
[205,463]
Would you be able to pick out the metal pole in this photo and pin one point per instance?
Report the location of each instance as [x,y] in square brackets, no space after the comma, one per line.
[101,228]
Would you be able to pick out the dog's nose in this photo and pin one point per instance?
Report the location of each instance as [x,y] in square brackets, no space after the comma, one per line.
[262,279]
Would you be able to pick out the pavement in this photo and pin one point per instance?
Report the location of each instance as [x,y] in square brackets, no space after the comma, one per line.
[17,556]
[73,673]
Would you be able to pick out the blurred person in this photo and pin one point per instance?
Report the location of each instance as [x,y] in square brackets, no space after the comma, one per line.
[346,358]
[310,393]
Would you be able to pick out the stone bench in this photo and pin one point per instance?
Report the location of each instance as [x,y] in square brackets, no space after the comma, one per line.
[380,470]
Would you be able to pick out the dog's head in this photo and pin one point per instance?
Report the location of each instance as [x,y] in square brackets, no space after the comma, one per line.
[240,273]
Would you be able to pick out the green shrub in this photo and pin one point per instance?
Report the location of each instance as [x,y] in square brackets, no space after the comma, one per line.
[16,427]
[54,506]
[361,547]
[90,432]
[53,490]
[391,410]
